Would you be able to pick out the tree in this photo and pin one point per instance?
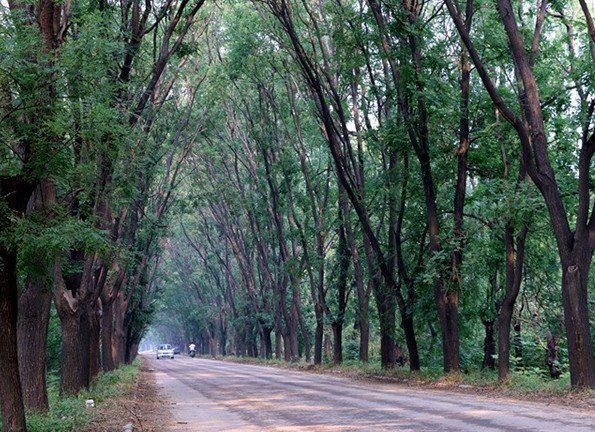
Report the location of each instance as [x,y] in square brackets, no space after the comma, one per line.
[575,246]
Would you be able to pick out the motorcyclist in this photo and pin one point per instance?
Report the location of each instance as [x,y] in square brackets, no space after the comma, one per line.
[191,350]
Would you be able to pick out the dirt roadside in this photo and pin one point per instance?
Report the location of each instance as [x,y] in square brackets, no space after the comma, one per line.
[141,407]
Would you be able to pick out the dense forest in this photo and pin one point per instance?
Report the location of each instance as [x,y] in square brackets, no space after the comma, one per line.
[404,182]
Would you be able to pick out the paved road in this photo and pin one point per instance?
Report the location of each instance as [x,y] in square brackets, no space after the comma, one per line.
[208,395]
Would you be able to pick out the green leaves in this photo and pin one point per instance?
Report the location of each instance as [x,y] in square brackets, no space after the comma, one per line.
[42,242]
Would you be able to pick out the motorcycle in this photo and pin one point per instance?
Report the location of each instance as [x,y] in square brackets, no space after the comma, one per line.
[192,353]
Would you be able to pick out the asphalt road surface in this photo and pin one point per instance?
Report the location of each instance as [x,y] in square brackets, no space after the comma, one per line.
[209,395]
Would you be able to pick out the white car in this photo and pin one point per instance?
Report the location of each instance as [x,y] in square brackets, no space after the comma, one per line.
[165,350]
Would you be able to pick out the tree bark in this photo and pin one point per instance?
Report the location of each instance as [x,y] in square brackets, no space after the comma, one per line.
[34,317]
[13,410]
[15,193]
[576,321]
[32,334]
[108,345]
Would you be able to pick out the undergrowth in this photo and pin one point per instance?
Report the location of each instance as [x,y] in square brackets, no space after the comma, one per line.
[70,414]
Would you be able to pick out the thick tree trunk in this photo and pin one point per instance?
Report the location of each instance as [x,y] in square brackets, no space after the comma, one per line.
[409,331]
[32,334]
[576,320]
[94,325]
[447,305]
[34,316]
[338,342]
[279,341]
[120,334]
[15,196]
[108,346]
[364,336]
[268,344]
[76,306]
[504,325]
[71,373]
[13,410]
[84,345]
[286,346]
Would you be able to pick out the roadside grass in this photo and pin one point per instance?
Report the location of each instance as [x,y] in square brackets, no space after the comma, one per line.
[70,413]
[531,383]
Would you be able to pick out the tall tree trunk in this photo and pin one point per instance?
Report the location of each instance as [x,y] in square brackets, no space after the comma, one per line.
[94,325]
[72,379]
[13,410]
[446,295]
[15,195]
[34,317]
[337,342]
[72,376]
[575,274]
[108,344]
[279,344]
[268,344]
[32,335]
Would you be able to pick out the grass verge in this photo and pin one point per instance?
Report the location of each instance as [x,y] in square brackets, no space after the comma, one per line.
[70,413]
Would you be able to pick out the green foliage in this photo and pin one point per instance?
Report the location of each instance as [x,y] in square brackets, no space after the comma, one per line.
[53,353]
[41,241]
